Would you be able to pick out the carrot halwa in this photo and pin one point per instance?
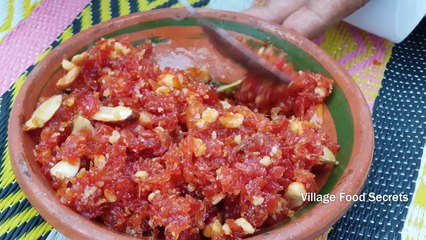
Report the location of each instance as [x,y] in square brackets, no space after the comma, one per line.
[162,153]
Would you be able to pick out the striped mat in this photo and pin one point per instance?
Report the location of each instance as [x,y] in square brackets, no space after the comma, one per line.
[399,119]
[13,12]
[362,54]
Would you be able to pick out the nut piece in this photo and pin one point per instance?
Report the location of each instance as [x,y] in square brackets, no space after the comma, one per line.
[145,118]
[113,114]
[99,161]
[200,147]
[43,113]
[65,169]
[199,74]
[162,90]
[169,80]
[320,91]
[80,58]
[191,187]
[245,225]
[328,156]
[114,137]
[275,113]
[213,229]
[207,116]
[226,229]
[69,100]
[210,115]
[265,161]
[217,198]
[232,120]
[237,139]
[67,65]
[110,195]
[225,104]
[68,78]
[151,196]
[258,200]
[81,123]
[120,47]
[296,126]
[294,194]
[141,175]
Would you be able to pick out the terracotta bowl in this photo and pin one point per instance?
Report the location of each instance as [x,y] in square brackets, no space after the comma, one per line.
[347,117]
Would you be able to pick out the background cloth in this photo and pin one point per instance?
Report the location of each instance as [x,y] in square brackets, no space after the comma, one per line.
[14,11]
[398,147]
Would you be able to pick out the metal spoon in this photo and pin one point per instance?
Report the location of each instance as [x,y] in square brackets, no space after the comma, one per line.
[230,47]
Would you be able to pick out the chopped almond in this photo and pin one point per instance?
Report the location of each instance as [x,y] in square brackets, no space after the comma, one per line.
[232,120]
[81,123]
[67,65]
[80,58]
[169,80]
[43,113]
[245,225]
[110,195]
[328,156]
[145,118]
[113,114]
[213,229]
[141,174]
[266,161]
[68,78]
[217,198]
[65,169]
[200,147]
[294,194]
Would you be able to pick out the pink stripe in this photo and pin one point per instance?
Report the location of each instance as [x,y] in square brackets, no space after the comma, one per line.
[320,40]
[379,46]
[360,46]
[31,37]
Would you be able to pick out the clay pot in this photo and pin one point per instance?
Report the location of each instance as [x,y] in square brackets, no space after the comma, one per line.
[348,118]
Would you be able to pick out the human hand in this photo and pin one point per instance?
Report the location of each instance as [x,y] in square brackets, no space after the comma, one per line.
[308,17]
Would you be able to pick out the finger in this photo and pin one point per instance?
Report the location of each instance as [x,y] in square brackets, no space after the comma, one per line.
[316,16]
[306,22]
[275,10]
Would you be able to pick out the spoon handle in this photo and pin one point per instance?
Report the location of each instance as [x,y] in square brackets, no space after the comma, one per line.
[230,47]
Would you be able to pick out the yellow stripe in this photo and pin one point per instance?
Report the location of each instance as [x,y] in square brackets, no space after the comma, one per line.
[156,4]
[17,86]
[11,200]
[17,220]
[338,37]
[143,5]
[37,232]
[7,176]
[29,7]
[66,34]
[10,10]
[105,11]
[86,18]
[124,7]
[420,194]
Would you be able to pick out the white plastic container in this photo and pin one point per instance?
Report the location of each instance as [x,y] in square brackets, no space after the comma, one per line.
[390,19]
